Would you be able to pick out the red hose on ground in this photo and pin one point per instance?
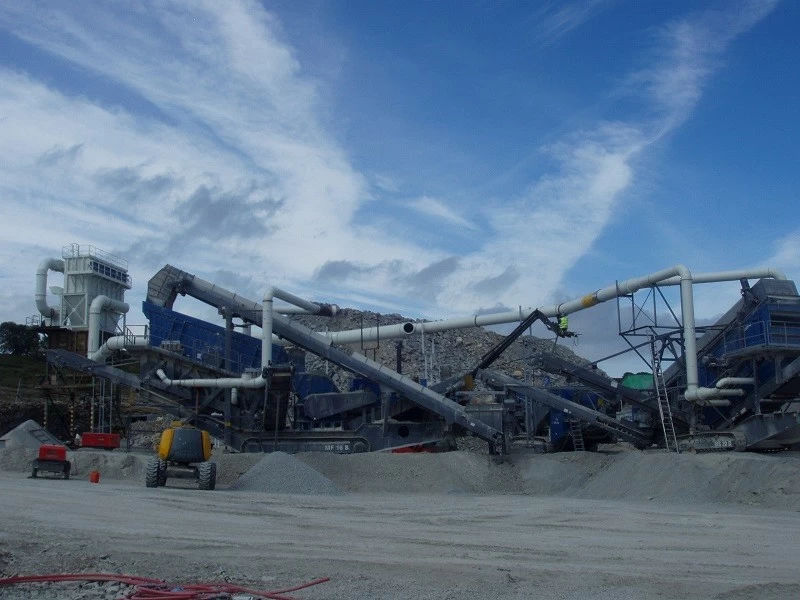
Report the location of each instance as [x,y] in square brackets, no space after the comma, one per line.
[155,589]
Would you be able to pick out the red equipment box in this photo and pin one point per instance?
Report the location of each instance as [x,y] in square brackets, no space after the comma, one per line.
[108,441]
[52,452]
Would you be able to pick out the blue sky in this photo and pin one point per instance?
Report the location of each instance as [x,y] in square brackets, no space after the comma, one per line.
[430,158]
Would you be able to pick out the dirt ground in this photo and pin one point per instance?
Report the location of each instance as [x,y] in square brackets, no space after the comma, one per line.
[527,540]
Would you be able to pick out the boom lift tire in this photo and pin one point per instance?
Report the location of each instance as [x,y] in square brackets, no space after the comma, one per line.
[153,473]
[207,475]
[162,473]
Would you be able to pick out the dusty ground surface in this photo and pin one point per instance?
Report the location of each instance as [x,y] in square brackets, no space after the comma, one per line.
[610,525]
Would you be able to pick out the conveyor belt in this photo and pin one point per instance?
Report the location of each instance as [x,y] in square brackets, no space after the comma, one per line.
[170,280]
[626,432]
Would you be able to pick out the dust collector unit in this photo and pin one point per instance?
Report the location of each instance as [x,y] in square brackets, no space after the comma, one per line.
[89,273]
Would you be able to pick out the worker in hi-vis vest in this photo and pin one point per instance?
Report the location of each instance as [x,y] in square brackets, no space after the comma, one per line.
[563,324]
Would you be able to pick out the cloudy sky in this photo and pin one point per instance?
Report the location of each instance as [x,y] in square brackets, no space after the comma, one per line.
[430,158]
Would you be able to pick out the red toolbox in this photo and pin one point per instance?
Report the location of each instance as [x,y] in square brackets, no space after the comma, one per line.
[108,441]
[52,452]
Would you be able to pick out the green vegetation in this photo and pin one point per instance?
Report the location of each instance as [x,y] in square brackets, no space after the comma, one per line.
[19,340]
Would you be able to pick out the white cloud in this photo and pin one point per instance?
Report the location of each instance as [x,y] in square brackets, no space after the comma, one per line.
[555,20]
[230,166]
[439,210]
[241,122]
[787,254]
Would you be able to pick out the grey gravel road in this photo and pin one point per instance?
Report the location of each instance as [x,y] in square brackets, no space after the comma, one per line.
[400,546]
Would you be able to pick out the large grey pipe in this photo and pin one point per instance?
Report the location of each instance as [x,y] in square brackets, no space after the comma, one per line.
[48,264]
[677,275]
[763,273]
[352,336]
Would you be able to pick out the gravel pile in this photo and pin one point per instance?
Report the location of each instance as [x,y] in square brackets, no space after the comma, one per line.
[455,351]
[280,473]
[111,464]
[423,473]
[766,480]
[231,466]
[17,459]
[68,590]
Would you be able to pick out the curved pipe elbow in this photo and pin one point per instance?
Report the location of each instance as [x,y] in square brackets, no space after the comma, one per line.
[48,264]
[98,305]
[683,272]
[119,342]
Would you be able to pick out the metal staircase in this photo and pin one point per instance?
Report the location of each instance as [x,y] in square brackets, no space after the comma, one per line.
[576,433]
[664,409]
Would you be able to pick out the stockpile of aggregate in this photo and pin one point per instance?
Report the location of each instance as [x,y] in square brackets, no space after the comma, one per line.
[231,466]
[281,473]
[16,459]
[421,473]
[456,351]
[767,480]
[28,435]
[114,464]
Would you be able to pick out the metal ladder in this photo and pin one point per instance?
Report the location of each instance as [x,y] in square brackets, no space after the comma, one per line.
[664,409]
[576,432]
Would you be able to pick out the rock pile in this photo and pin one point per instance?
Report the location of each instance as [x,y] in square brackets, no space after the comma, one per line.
[280,473]
[446,353]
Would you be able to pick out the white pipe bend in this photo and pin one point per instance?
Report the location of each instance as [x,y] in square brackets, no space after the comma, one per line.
[48,264]
[96,308]
[119,342]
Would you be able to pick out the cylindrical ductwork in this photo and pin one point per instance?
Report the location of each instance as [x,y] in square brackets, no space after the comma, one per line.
[370,334]
[119,342]
[96,308]
[267,317]
[665,277]
[764,273]
[677,275]
[222,382]
[726,381]
[48,264]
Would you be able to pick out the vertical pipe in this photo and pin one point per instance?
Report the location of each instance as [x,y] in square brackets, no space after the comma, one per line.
[424,354]
[266,327]
[226,313]
[229,393]
[231,399]
[690,338]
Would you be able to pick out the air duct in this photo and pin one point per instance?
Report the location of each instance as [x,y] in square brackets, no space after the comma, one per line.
[119,342]
[99,305]
[48,264]
[676,275]
[266,345]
